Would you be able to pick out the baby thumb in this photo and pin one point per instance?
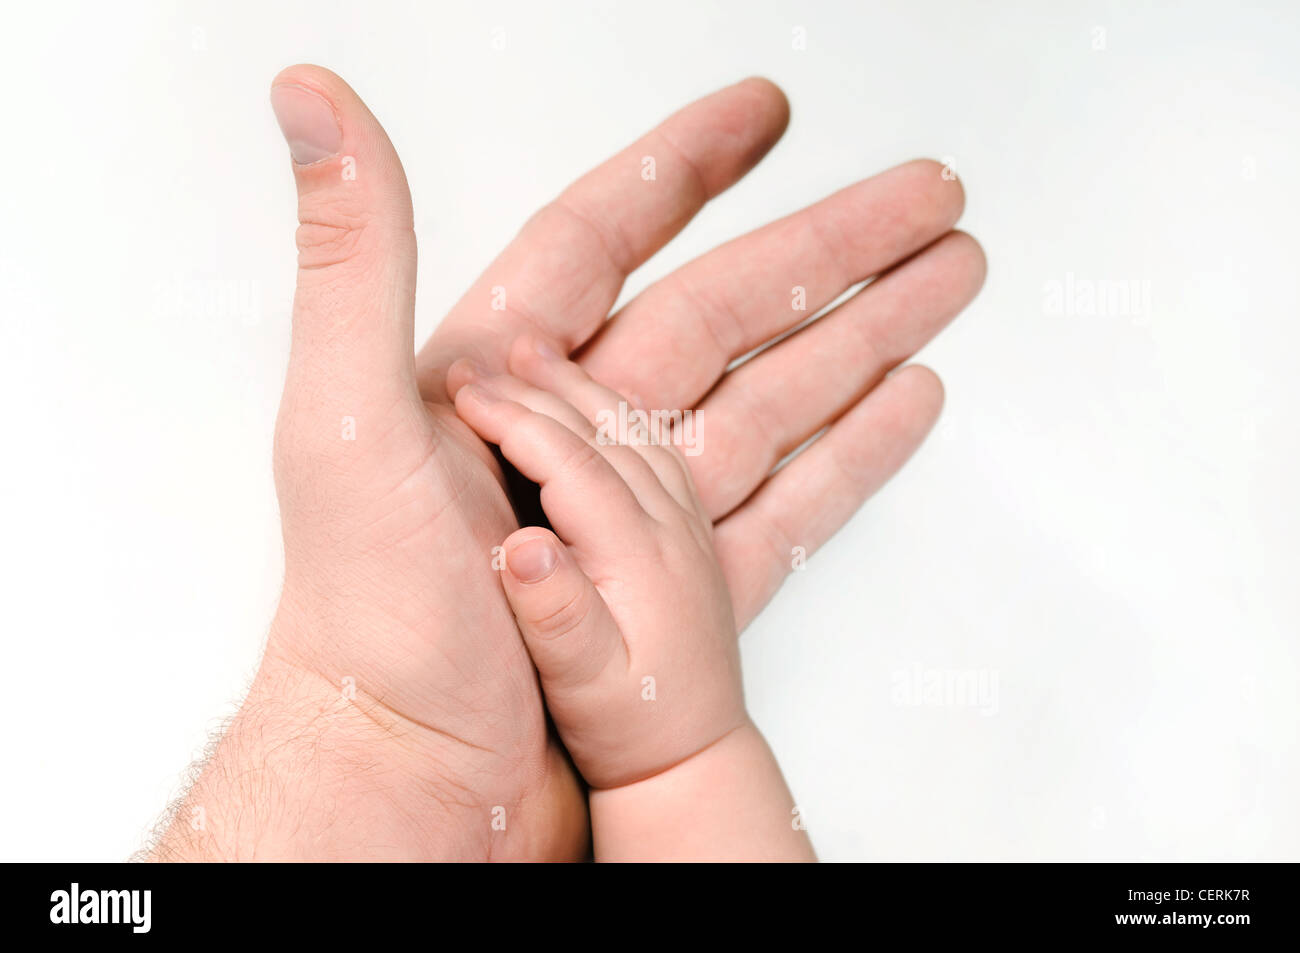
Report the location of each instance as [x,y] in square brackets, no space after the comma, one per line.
[564,621]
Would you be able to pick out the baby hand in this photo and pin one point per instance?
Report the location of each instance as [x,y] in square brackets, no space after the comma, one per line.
[623,608]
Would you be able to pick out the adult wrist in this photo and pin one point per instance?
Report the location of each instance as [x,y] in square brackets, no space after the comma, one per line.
[289,777]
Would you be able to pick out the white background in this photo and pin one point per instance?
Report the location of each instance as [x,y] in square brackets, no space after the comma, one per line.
[1105,521]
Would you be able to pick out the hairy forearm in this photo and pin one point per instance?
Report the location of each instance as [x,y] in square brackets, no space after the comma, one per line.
[291,778]
[727,803]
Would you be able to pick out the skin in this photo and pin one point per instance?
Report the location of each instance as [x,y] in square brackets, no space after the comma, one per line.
[627,617]
[396,713]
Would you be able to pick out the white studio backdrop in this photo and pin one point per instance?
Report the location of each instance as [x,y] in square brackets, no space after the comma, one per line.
[1066,631]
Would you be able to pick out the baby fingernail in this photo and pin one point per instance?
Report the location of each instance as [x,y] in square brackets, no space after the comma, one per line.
[478,394]
[308,123]
[533,559]
[545,350]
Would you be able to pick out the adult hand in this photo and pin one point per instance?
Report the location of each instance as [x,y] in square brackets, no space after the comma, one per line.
[396,713]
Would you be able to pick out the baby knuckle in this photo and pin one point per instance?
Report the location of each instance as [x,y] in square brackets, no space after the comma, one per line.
[563,618]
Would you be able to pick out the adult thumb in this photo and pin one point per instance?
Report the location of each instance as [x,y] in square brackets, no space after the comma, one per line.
[354,307]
